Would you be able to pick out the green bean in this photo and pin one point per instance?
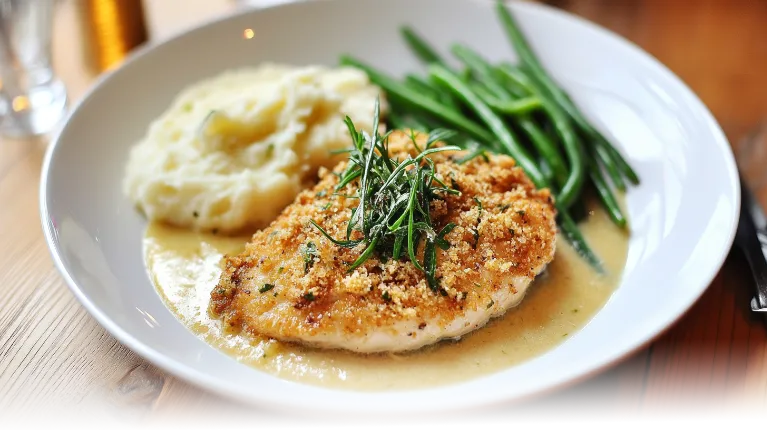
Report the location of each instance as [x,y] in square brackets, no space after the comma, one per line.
[617,157]
[595,175]
[466,74]
[481,68]
[601,151]
[575,180]
[595,140]
[420,85]
[521,84]
[517,107]
[432,90]
[567,225]
[481,89]
[516,78]
[523,106]
[546,170]
[420,47]
[495,123]
[573,235]
[405,95]
[607,197]
[518,40]
[542,141]
[420,121]
[510,107]
[612,169]
[489,77]
[530,60]
[613,160]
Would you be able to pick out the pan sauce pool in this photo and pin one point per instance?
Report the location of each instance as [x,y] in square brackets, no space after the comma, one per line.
[184,268]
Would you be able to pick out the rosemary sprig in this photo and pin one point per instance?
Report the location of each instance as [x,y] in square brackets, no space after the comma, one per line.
[392,215]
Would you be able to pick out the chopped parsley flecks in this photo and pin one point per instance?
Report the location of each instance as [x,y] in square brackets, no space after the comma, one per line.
[309,254]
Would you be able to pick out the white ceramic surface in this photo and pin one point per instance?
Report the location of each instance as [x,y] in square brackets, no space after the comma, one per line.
[684,213]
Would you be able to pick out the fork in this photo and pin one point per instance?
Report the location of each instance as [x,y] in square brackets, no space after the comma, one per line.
[751,156]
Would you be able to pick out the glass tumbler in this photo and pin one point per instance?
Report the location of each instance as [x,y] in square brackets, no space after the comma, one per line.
[32,98]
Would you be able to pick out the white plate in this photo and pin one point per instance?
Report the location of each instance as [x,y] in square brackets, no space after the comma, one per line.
[684,214]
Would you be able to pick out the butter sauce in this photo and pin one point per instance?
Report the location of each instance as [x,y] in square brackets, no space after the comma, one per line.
[184,267]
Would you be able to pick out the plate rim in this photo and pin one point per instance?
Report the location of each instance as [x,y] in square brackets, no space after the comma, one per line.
[207,382]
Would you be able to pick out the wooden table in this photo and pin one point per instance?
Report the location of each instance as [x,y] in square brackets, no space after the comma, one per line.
[52,351]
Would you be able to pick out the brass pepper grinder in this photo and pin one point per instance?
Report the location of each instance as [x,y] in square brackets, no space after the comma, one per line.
[114,29]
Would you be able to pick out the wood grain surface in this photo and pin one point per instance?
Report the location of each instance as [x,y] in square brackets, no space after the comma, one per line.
[52,351]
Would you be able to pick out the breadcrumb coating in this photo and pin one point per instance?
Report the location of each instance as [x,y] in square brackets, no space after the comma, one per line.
[293,284]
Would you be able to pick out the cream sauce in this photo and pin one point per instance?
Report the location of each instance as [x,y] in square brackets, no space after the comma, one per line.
[185,266]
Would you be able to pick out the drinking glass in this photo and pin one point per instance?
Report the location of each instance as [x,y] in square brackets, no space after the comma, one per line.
[260,3]
[32,98]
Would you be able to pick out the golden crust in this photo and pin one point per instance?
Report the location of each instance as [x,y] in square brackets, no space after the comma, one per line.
[511,237]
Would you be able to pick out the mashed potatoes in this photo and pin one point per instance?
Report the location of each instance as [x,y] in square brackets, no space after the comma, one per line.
[232,151]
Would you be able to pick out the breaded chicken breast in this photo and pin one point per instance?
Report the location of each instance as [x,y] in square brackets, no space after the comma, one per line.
[293,284]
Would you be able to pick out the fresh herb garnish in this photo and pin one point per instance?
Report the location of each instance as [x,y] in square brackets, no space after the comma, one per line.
[479,219]
[394,199]
[310,255]
[309,297]
[266,288]
[386,296]
[479,204]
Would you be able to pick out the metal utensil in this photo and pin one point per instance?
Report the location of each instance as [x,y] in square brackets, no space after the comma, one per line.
[751,235]
[752,239]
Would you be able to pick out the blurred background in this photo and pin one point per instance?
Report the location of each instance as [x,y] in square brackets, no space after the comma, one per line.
[716,46]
